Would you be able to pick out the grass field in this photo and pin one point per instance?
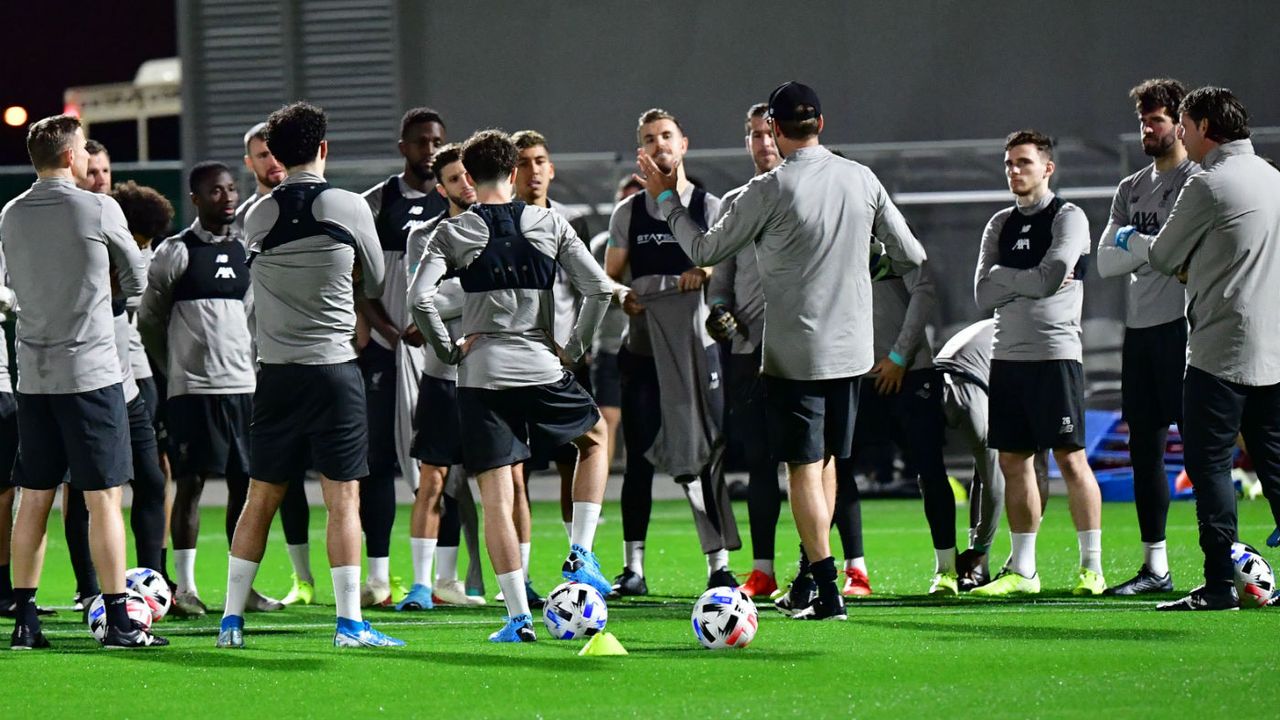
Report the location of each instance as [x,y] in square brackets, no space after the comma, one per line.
[900,654]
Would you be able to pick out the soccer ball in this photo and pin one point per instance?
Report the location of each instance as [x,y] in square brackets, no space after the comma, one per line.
[1254,579]
[574,610]
[724,618]
[137,607]
[153,588]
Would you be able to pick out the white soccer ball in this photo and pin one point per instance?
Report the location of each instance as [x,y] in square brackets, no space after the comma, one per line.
[137,607]
[724,618]
[153,588]
[1255,582]
[574,610]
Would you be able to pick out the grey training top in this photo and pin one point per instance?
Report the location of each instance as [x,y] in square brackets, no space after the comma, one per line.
[736,283]
[513,345]
[394,289]
[811,219]
[901,308]
[137,352]
[204,343]
[1225,230]
[1144,200]
[613,328]
[1037,316]
[969,351]
[566,297]
[120,323]
[304,304]
[242,211]
[60,244]
[448,299]
[6,384]
[620,237]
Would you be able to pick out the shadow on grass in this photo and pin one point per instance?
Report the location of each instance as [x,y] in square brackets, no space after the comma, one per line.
[964,631]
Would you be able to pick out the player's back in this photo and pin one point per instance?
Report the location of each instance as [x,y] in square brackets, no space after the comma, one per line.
[305,240]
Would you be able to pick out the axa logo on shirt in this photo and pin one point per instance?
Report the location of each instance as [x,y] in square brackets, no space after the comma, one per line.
[655,238]
[1147,223]
[1022,244]
[412,225]
[224,273]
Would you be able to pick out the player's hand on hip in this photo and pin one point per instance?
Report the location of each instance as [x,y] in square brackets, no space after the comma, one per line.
[888,375]
[655,181]
[412,336]
[691,279]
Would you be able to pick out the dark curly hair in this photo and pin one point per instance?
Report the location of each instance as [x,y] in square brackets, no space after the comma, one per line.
[294,133]
[489,155]
[446,155]
[1227,116]
[146,210]
[1151,95]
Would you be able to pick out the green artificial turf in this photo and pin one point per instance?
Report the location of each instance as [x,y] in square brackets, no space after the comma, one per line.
[900,654]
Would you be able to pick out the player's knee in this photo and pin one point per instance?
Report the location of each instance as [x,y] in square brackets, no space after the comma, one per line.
[594,438]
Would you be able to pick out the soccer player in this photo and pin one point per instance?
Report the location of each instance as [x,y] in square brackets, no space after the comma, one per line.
[98,177]
[392,360]
[1155,333]
[691,447]
[811,220]
[194,321]
[737,315]
[437,440]
[1030,272]
[267,171]
[514,394]
[903,403]
[1222,234]
[8,452]
[60,244]
[309,246]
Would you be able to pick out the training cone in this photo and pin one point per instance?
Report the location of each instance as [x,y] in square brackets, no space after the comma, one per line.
[602,645]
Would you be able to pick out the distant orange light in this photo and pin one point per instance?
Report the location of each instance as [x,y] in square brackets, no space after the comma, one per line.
[71,109]
[15,116]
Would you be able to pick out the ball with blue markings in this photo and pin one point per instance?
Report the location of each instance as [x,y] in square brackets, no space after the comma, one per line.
[724,618]
[574,610]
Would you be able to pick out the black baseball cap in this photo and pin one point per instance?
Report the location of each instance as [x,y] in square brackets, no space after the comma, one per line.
[787,98]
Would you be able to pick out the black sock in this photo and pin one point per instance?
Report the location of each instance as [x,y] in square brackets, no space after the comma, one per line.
[24,606]
[6,589]
[164,564]
[824,574]
[804,562]
[117,612]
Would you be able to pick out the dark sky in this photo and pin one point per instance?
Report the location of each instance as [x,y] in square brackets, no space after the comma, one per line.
[49,46]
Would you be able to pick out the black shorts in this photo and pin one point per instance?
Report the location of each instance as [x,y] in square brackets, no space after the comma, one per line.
[8,438]
[437,435]
[1154,362]
[1036,405]
[209,434]
[309,416]
[810,420]
[153,395]
[605,380]
[86,433]
[910,418]
[503,427]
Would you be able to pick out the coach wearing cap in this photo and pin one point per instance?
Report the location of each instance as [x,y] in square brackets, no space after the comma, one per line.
[1224,233]
[811,219]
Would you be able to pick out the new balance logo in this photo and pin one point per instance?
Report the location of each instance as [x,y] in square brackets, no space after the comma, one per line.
[415,210]
[222,259]
[1022,244]
[1026,229]
[225,273]
[1067,426]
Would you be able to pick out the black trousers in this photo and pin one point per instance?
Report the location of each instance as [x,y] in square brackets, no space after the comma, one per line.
[1214,412]
[746,423]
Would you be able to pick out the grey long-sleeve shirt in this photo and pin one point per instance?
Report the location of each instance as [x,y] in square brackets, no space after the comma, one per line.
[513,344]
[304,297]
[1225,230]
[449,299]
[60,244]
[1144,200]
[204,343]
[1037,318]
[901,307]
[969,351]
[614,327]
[811,220]
[736,283]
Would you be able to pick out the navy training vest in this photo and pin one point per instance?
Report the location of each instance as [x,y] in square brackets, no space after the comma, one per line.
[296,220]
[399,215]
[1025,239]
[509,261]
[218,270]
[651,248]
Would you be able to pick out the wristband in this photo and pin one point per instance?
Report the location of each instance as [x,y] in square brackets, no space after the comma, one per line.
[664,195]
[897,359]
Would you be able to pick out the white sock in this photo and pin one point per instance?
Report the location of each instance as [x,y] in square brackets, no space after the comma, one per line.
[1156,557]
[858,563]
[240,574]
[633,556]
[717,559]
[380,569]
[300,557]
[1091,549]
[945,560]
[512,586]
[184,567]
[525,549]
[446,562]
[423,551]
[568,529]
[346,591]
[1023,558]
[586,516]
[764,566]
